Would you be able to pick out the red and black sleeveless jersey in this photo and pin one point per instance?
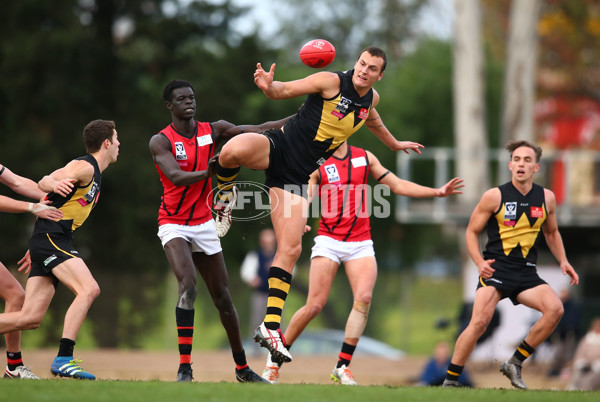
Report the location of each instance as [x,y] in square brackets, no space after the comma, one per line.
[343,193]
[187,205]
[514,229]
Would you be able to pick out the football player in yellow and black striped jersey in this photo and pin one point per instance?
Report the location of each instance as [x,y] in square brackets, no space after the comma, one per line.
[515,214]
[337,104]
[74,190]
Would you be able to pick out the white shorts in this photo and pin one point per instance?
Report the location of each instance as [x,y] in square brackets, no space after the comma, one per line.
[341,251]
[203,238]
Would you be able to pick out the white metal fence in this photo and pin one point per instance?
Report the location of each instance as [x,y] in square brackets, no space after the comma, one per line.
[573,175]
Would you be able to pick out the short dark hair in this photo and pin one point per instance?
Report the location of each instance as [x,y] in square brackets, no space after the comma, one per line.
[173,85]
[377,52]
[512,145]
[96,132]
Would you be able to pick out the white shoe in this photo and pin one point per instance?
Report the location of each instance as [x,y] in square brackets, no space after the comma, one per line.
[343,375]
[20,372]
[271,371]
[273,341]
[223,218]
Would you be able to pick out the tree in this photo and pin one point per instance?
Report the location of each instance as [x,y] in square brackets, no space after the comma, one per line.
[519,81]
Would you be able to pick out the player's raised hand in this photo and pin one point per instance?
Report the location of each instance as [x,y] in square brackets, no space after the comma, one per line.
[407,146]
[264,79]
[64,187]
[452,187]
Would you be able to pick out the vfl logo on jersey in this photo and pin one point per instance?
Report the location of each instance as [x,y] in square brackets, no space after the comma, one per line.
[358,162]
[510,211]
[204,140]
[537,212]
[510,214]
[180,151]
[342,108]
[332,173]
[90,196]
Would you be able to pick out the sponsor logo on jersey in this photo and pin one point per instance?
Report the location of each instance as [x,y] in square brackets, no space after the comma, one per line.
[180,151]
[363,113]
[321,161]
[510,223]
[204,140]
[537,212]
[358,162]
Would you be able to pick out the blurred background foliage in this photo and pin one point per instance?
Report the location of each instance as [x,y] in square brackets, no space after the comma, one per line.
[67,62]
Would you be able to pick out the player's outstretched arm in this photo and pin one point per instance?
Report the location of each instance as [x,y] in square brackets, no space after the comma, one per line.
[224,131]
[19,184]
[325,83]
[408,188]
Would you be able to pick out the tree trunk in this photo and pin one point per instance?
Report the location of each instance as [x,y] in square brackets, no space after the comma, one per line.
[469,109]
[519,81]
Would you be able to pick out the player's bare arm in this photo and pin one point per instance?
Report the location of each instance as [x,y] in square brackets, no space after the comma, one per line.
[376,126]
[408,188]
[485,208]
[21,185]
[160,147]
[63,180]
[225,133]
[554,239]
[325,83]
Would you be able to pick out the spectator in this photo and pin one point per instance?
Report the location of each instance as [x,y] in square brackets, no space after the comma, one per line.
[255,272]
[435,370]
[586,364]
[566,335]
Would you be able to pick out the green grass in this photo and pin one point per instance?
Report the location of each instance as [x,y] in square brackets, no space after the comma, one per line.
[124,391]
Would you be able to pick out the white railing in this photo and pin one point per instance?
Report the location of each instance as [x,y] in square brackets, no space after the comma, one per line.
[573,175]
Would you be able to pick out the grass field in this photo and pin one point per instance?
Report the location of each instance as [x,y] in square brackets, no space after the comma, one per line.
[124,391]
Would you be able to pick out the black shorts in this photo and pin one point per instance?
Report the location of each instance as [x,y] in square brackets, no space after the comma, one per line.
[512,281]
[48,250]
[282,171]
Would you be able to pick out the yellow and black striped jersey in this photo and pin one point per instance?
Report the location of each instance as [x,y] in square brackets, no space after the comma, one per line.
[514,229]
[322,125]
[76,207]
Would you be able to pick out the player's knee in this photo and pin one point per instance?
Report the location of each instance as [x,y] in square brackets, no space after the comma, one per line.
[15,300]
[290,251]
[92,291]
[362,301]
[229,154]
[187,286]
[223,303]
[556,312]
[479,324]
[313,309]
[29,322]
